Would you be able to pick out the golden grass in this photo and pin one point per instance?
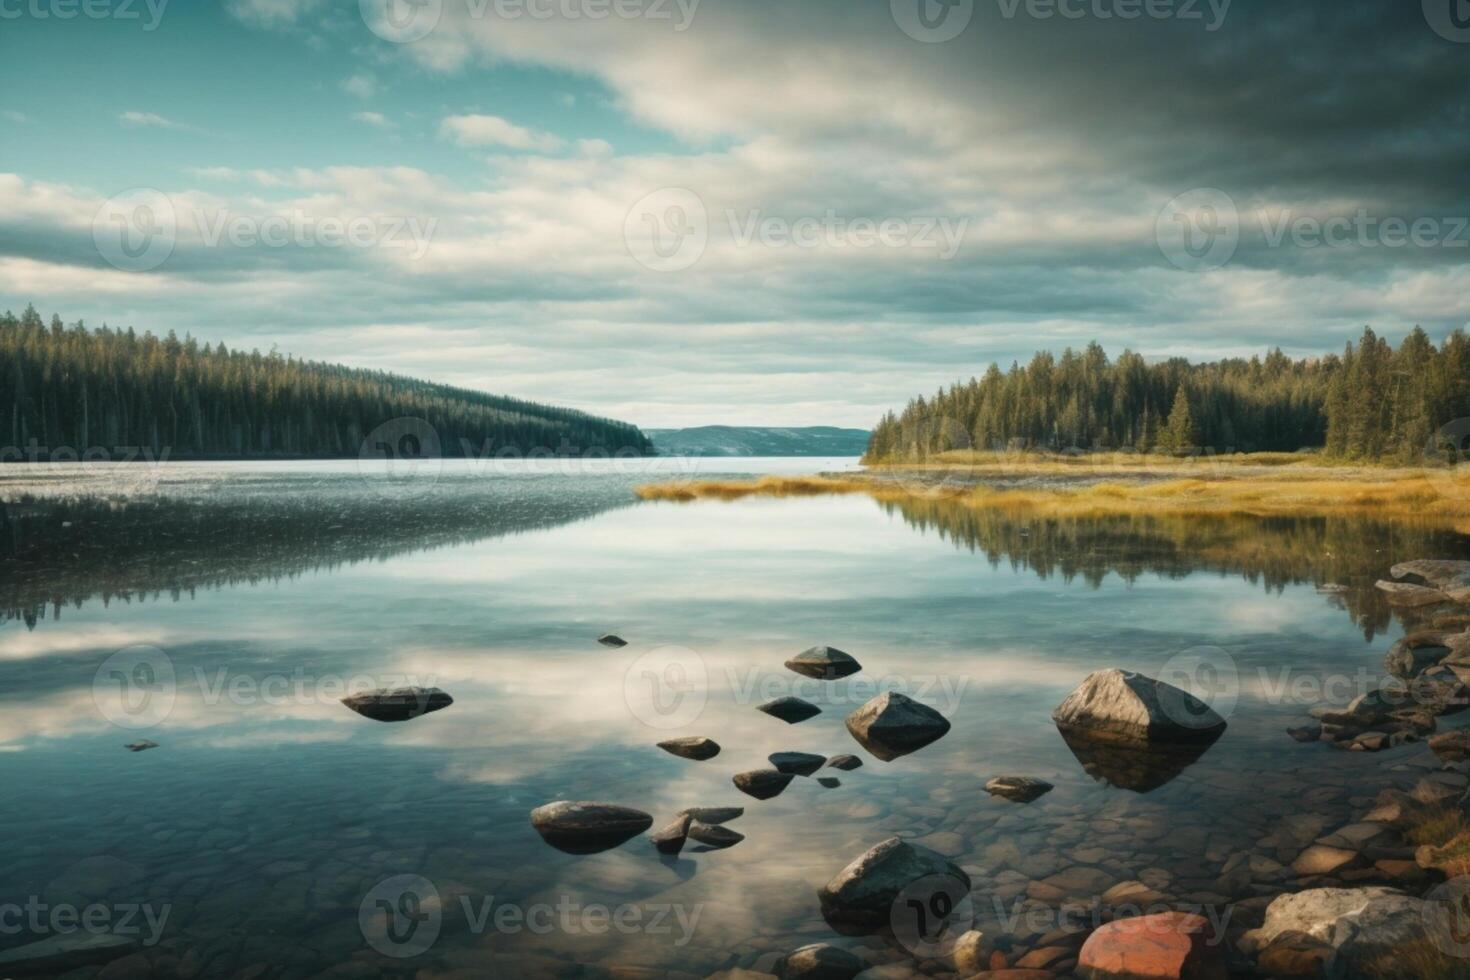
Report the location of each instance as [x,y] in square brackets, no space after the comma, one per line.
[1218,487]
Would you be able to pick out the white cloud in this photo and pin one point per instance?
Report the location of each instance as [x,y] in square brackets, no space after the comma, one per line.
[376,119]
[150,119]
[361,85]
[271,13]
[482,130]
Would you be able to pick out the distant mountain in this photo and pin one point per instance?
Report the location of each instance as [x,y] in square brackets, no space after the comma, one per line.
[744,440]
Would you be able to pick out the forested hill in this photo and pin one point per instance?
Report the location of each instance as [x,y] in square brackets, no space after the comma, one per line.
[1372,402]
[70,390]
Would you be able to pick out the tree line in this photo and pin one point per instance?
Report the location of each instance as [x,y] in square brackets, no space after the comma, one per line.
[68,390]
[1371,402]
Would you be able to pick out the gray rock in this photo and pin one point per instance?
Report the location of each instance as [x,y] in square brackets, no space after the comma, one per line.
[847,763]
[859,900]
[1358,923]
[797,763]
[820,961]
[824,663]
[763,784]
[790,710]
[695,747]
[612,640]
[1120,705]
[587,828]
[398,704]
[142,745]
[829,782]
[671,839]
[714,836]
[713,814]
[1413,654]
[1450,577]
[893,725]
[1019,789]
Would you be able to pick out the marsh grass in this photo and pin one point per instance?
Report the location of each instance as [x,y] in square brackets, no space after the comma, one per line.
[1286,485]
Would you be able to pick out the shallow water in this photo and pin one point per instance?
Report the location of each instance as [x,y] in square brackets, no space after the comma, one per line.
[271,820]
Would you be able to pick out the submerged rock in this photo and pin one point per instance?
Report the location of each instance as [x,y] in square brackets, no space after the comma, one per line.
[829,782]
[797,763]
[790,710]
[713,836]
[1122,706]
[587,828]
[763,784]
[695,747]
[820,961]
[56,955]
[671,839]
[893,725]
[859,900]
[612,640]
[1019,789]
[846,763]
[1166,945]
[398,704]
[713,814]
[142,745]
[824,663]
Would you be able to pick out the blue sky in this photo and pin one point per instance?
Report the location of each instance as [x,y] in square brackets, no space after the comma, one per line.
[846,214]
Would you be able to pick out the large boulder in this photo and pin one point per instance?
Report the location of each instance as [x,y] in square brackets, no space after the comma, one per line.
[1167,946]
[1359,924]
[859,900]
[399,703]
[587,828]
[893,725]
[824,663]
[1122,706]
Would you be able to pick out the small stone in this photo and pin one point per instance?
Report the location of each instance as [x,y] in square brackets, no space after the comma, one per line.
[790,710]
[797,763]
[1018,789]
[713,814]
[142,745]
[587,828]
[846,763]
[695,747]
[1320,859]
[398,704]
[824,663]
[713,836]
[893,725]
[763,784]
[830,782]
[820,961]
[671,839]
[612,640]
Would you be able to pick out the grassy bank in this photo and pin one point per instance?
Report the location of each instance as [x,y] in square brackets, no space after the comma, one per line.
[1041,486]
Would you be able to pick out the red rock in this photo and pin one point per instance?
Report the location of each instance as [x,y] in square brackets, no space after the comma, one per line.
[1168,946]
[998,961]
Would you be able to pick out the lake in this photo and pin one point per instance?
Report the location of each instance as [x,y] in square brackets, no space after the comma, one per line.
[222,611]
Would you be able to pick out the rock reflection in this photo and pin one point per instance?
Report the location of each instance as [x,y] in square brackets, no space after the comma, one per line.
[1141,767]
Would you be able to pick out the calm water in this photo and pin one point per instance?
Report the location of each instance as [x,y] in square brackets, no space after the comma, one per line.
[271,816]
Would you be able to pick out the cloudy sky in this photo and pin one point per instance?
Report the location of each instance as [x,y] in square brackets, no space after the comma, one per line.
[740,211]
